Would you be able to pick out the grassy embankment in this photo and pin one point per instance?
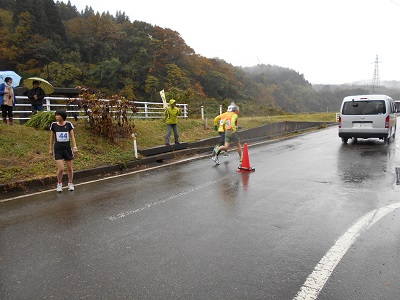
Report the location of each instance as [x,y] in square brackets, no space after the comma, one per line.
[26,150]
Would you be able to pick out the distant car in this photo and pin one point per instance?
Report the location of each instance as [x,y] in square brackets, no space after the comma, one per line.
[367,116]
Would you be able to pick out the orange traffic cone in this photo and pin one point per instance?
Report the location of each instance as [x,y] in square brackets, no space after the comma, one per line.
[245,167]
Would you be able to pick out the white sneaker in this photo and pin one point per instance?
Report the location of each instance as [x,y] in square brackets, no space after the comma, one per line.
[59,188]
[70,186]
[215,159]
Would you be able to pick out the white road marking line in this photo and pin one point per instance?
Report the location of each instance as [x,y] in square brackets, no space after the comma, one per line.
[129,212]
[323,270]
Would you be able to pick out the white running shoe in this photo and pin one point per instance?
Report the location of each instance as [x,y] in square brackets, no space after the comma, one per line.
[59,188]
[215,159]
[226,154]
[70,186]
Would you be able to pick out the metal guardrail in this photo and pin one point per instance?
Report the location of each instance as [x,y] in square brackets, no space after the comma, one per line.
[146,110]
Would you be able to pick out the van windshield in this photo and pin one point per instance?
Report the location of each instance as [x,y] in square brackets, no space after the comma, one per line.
[375,107]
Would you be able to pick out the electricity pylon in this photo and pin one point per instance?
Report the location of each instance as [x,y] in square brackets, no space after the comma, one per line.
[375,80]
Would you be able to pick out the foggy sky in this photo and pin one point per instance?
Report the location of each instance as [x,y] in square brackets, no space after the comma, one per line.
[327,41]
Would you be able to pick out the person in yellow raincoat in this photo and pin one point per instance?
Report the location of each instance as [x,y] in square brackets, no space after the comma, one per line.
[171,114]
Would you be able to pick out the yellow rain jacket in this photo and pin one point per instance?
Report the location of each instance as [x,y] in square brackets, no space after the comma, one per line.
[171,113]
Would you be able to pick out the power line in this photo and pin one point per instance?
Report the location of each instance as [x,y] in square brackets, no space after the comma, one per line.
[394,2]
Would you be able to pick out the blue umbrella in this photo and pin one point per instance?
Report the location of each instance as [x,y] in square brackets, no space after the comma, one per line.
[15,77]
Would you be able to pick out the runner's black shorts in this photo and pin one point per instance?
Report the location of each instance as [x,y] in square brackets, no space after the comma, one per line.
[63,153]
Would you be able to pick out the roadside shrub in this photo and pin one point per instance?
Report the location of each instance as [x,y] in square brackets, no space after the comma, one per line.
[108,118]
[41,120]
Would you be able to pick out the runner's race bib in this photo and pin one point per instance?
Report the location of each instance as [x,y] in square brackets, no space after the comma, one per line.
[63,137]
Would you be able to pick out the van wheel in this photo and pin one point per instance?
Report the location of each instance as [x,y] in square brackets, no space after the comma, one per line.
[344,140]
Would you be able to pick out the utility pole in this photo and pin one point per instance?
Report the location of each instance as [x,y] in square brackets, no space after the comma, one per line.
[375,80]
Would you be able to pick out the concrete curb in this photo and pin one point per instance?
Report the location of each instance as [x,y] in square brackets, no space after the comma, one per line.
[263,133]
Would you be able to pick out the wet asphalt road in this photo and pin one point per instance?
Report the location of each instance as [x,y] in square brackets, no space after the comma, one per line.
[198,231]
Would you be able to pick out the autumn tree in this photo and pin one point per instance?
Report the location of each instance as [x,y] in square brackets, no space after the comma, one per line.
[21,34]
[152,87]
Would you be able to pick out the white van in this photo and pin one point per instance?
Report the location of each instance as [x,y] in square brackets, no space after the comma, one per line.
[367,116]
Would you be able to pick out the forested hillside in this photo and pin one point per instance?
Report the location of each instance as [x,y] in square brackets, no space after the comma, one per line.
[136,60]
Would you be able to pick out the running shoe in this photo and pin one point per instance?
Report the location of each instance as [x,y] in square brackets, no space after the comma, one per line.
[59,188]
[70,187]
[215,159]
[226,154]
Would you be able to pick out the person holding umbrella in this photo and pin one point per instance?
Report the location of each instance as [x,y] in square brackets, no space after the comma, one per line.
[36,95]
[7,100]
[44,84]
